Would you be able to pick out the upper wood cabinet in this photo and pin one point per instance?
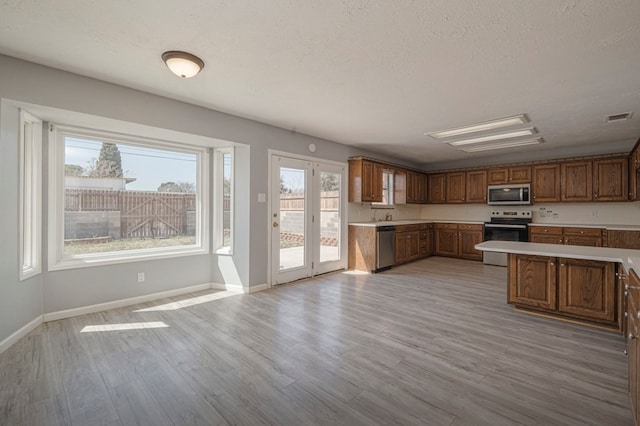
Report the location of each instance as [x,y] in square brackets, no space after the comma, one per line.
[546,183]
[437,188]
[576,181]
[508,175]
[416,187]
[610,179]
[476,186]
[456,187]
[365,181]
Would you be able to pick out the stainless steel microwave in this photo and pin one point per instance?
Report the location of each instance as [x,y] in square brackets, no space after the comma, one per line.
[509,195]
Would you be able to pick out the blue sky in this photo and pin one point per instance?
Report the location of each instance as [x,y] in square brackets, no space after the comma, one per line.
[149,166]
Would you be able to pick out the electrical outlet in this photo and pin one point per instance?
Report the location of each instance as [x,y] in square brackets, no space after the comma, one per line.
[594,213]
[140,277]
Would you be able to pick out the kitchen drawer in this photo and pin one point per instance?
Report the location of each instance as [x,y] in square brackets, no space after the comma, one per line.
[407,228]
[424,226]
[424,235]
[551,230]
[446,226]
[590,232]
[470,227]
[423,244]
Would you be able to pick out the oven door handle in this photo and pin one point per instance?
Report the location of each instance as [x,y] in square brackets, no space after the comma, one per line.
[499,225]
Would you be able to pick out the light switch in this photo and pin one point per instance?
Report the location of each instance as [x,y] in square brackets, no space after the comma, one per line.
[262,198]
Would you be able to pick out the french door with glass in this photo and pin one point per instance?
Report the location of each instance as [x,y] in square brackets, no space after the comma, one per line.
[307,211]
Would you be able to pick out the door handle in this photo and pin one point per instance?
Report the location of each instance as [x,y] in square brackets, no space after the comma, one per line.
[275,224]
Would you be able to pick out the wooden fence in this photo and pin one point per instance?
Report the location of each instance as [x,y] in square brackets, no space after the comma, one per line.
[143,214]
[329,201]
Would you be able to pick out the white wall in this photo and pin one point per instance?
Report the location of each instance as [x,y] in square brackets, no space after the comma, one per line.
[561,213]
[21,302]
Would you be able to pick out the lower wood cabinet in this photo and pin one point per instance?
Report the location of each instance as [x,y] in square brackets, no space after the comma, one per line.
[426,240]
[576,288]
[632,299]
[458,240]
[407,243]
[623,239]
[574,236]
[446,239]
[532,281]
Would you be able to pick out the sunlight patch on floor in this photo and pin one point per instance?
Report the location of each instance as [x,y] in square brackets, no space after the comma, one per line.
[172,306]
[122,327]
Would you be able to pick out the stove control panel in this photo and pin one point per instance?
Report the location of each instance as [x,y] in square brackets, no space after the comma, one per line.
[512,213]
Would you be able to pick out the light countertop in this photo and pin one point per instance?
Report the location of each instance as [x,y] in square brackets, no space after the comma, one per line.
[578,225]
[411,222]
[629,258]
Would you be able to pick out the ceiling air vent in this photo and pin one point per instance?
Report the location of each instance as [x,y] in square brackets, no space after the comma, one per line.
[614,118]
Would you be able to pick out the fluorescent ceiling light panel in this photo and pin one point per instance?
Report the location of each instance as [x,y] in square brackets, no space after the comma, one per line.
[502,145]
[497,137]
[480,127]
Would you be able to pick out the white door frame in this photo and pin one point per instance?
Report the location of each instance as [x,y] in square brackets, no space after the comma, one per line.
[342,264]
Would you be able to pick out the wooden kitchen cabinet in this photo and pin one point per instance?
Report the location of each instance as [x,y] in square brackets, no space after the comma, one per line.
[416,187]
[362,248]
[632,335]
[576,179]
[437,188]
[407,243]
[546,183]
[458,240]
[365,181]
[592,237]
[532,281]
[546,235]
[610,179]
[476,186]
[573,236]
[426,240]
[623,239]
[446,239]
[586,288]
[468,236]
[456,187]
[508,175]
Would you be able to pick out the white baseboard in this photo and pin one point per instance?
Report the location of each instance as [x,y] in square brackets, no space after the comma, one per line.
[19,334]
[257,288]
[53,316]
[239,288]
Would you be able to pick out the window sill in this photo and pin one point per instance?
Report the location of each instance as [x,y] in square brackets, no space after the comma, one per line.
[88,261]
[27,273]
[224,250]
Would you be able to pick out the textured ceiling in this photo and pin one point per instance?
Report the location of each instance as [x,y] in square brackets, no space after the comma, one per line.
[376,74]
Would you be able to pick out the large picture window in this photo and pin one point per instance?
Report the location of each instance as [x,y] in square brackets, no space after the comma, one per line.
[122,198]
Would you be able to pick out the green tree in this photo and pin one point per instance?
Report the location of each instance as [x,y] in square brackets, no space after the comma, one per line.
[177,187]
[108,164]
[329,182]
[73,170]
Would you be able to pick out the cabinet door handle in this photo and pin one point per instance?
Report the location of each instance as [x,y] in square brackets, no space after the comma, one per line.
[631,336]
[562,264]
[552,264]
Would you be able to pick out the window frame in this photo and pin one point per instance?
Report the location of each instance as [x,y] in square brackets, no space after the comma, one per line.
[218,195]
[30,196]
[390,190]
[57,259]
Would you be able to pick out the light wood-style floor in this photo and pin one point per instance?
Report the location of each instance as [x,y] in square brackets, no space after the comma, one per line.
[430,343]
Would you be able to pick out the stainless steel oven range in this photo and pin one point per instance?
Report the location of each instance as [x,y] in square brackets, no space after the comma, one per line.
[505,225]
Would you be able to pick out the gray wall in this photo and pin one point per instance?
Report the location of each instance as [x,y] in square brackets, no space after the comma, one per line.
[28,82]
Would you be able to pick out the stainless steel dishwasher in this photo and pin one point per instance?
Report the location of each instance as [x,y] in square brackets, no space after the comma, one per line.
[386,247]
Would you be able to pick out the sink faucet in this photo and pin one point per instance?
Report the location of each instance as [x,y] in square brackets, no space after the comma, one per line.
[388,216]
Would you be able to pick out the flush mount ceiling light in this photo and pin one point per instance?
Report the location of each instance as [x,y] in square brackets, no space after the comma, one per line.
[499,136]
[182,64]
[502,145]
[487,125]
